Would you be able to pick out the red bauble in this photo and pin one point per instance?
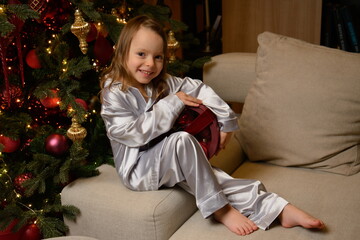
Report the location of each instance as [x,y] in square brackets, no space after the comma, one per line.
[31,232]
[12,99]
[92,33]
[42,115]
[50,102]
[103,50]
[19,180]
[82,103]
[32,59]
[8,234]
[10,145]
[56,144]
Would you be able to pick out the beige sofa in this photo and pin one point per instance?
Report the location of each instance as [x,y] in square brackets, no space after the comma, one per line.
[300,135]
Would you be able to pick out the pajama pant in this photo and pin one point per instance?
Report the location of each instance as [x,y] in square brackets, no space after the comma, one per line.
[179,159]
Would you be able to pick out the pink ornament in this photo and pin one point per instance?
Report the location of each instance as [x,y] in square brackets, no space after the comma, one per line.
[10,145]
[56,144]
[50,102]
[32,59]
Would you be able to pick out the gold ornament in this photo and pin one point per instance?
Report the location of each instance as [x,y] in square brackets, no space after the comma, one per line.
[76,132]
[173,45]
[2,8]
[37,5]
[80,29]
[121,13]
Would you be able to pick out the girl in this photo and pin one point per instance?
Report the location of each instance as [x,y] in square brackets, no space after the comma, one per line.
[140,102]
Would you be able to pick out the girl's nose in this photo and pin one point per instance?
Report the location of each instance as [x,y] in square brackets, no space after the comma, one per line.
[149,61]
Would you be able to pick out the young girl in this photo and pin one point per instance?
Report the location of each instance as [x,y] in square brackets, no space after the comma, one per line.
[140,102]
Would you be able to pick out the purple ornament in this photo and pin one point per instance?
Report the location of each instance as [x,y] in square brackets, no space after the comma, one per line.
[56,144]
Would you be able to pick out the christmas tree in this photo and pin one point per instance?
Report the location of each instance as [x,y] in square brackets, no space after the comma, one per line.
[52,53]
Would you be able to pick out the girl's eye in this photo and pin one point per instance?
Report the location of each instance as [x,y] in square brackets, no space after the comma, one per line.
[159,57]
[141,54]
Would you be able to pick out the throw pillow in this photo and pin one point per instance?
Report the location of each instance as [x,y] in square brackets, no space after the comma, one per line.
[304,106]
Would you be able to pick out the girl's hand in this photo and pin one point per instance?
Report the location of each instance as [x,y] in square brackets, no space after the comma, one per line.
[224,140]
[188,100]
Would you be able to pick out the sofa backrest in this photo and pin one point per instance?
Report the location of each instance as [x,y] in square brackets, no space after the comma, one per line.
[231,75]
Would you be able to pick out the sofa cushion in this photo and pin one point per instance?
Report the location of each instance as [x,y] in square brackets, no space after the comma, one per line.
[303,108]
[72,238]
[330,197]
[104,201]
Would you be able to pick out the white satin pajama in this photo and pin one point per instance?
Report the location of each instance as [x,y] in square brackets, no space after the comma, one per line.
[179,159]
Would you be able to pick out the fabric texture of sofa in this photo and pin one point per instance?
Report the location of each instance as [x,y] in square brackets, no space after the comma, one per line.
[299,134]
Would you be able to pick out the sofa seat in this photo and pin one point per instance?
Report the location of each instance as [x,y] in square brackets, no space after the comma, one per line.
[336,202]
[72,238]
[104,201]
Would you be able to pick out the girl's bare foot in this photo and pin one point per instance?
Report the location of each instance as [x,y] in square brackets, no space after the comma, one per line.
[235,221]
[292,216]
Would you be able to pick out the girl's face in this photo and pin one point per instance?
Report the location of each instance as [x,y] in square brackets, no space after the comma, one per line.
[146,55]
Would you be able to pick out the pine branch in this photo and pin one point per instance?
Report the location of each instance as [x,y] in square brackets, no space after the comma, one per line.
[51,227]
[199,63]
[13,124]
[112,26]
[178,68]
[76,67]
[22,11]
[70,212]
[9,214]
[5,26]
[50,166]
[160,13]
[177,26]
[44,90]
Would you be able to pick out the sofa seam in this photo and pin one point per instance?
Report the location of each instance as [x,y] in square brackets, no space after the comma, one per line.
[154,219]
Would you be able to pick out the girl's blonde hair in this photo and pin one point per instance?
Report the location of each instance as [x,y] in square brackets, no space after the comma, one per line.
[118,71]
